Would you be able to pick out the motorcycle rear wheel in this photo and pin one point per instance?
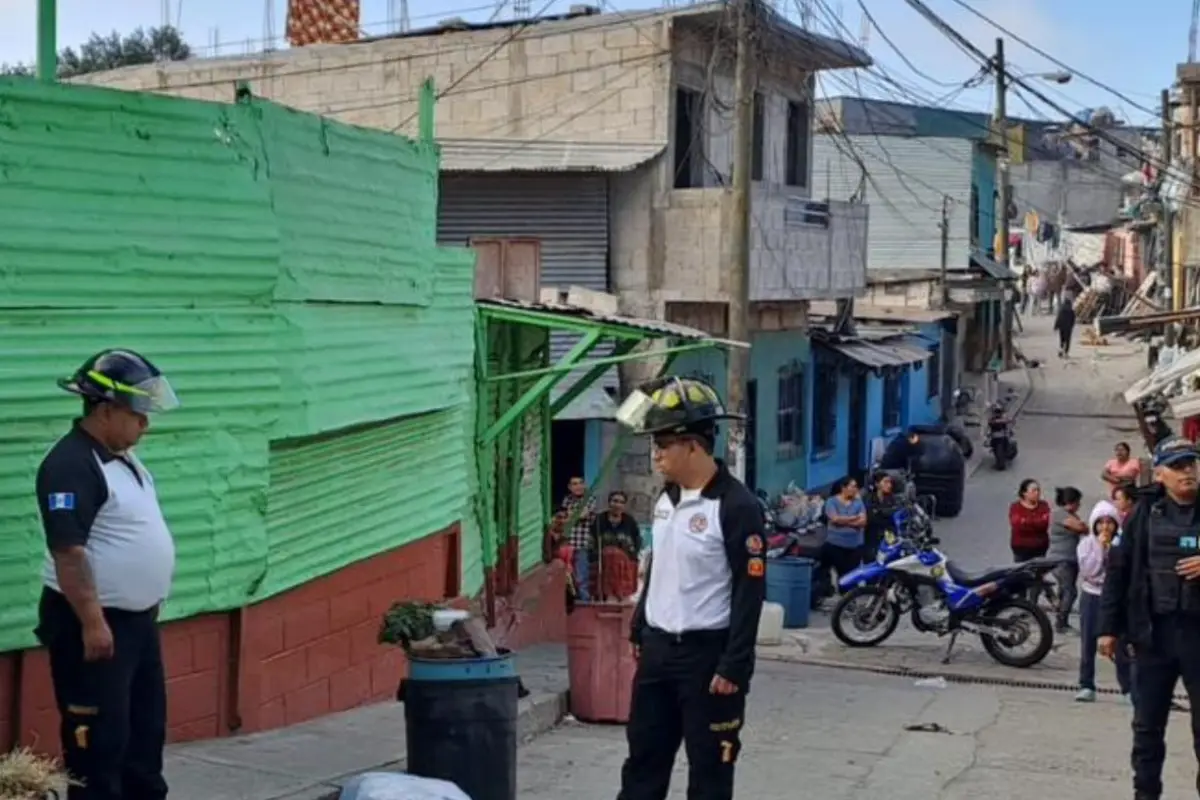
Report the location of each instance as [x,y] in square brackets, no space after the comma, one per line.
[846,616]
[1042,629]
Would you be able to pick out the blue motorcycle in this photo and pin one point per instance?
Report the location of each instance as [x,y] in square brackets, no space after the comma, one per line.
[909,574]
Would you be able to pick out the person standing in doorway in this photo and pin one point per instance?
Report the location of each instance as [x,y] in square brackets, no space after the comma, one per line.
[845,524]
[581,511]
[1151,600]
[109,564]
[1064,326]
[619,541]
[1065,529]
[1121,468]
[696,622]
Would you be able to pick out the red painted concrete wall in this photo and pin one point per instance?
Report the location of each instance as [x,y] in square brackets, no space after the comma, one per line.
[299,655]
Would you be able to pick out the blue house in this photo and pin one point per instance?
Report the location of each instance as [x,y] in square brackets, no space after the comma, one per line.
[895,370]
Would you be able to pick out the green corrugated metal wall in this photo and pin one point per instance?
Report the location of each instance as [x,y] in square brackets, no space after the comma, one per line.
[282,270]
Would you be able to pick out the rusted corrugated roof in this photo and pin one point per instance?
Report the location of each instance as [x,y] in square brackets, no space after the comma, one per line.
[536,155]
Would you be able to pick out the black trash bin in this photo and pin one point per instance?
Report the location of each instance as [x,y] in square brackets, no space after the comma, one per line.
[461,723]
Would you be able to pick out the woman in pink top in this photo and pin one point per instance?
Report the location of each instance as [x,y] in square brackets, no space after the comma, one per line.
[1121,468]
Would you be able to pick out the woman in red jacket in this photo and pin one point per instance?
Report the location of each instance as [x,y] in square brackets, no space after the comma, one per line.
[1029,520]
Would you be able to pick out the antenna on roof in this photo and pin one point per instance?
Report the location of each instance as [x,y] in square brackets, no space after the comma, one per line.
[864,32]
[522,9]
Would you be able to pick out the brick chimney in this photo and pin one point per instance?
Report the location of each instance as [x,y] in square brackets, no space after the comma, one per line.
[322,21]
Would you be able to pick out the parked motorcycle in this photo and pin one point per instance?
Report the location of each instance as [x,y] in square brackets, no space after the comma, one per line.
[1001,439]
[910,575]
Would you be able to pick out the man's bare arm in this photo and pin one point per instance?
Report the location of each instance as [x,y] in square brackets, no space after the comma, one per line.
[77,583]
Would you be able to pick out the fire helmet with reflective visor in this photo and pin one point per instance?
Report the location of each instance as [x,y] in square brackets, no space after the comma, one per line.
[123,378]
[674,405]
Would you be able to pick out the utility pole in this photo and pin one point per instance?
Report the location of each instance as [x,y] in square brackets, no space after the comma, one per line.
[47,41]
[1002,200]
[945,229]
[739,285]
[1178,289]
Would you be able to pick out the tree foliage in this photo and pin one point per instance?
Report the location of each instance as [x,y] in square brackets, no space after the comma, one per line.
[101,53]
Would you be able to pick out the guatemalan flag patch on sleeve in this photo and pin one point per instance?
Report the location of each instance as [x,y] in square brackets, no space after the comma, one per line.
[61,501]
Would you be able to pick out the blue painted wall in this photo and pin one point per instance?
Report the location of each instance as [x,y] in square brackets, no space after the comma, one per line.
[769,353]
[826,466]
[983,178]
[920,407]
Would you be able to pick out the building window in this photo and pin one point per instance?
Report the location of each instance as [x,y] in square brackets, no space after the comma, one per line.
[760,136]
[893,400]
[824,418]
[789,417]
[933,370]
[689,139]
[974,212]
[798,127]
[895,289]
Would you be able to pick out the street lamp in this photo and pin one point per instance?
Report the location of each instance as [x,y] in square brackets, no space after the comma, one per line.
[1060,76]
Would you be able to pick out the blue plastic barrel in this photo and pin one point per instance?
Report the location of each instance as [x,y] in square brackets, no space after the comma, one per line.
[789,583]
[461,723]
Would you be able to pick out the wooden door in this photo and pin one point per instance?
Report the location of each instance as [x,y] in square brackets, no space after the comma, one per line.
[509,268]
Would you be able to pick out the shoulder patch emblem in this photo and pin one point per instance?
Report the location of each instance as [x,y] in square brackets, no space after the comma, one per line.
[61,501]
[756,568]
[754,545]
[698,523]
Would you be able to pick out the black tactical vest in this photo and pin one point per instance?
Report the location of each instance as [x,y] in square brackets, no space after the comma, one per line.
[1171,537]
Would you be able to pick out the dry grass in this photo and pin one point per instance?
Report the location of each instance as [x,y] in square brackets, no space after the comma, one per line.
[24,775]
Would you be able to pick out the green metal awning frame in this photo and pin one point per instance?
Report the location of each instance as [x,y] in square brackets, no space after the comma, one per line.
[626,333]
[497,441]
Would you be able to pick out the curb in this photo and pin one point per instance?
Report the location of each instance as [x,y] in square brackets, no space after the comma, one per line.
[1017,409]
[967,678]
[536,715]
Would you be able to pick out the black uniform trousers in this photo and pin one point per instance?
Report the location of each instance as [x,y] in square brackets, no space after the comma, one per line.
[1173,656]
[113,712]
[672,704]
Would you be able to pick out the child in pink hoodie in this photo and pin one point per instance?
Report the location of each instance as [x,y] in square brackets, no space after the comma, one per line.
[1092,554]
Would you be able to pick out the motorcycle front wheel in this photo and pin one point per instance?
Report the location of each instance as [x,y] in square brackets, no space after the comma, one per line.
[865,617]
[1027,636]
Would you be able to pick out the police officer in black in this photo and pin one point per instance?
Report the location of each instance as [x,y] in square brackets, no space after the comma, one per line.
[1151,605]
[109,563]
[696,622]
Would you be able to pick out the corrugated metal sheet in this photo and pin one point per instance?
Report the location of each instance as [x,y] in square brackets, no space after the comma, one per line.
[894,353]
[867,311]
[568,214]
[345,364]
[346,233]
[99,186]
[547,312]
[908,178]
[537,155]
[147,222]
[339,499]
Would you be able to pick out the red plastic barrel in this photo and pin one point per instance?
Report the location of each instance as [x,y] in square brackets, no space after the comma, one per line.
[600,661]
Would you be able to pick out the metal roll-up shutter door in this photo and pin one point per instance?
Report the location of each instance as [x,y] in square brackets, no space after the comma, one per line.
[568,214]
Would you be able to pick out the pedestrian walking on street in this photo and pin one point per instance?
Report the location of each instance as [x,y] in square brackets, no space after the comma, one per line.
[1152,599]
[110,560]
[845,527]
[1092,556]
[1064,325]
[1066,528]
[696,622]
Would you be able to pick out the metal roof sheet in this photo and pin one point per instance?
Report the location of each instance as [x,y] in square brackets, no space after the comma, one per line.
[895,353]
[537,155]
[547,311]
[992,267]
[875,313]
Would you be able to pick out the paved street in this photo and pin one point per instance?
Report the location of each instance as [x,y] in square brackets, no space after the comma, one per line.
[836,735]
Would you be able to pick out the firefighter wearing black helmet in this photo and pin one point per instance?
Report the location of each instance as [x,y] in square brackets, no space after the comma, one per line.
[110,559]
[696,621]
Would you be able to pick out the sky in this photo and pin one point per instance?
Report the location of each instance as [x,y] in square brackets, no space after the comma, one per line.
[1110,42]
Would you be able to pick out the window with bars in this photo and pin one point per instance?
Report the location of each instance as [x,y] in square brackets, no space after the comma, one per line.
[824,418]
[893,400]
[789,414]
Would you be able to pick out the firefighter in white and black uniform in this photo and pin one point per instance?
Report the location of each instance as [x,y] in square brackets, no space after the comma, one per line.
[697,618]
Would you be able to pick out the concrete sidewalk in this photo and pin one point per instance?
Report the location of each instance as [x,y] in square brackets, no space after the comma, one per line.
[311,760]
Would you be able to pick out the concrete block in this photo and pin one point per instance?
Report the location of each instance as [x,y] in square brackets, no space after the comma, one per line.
[598,302]
[624,36]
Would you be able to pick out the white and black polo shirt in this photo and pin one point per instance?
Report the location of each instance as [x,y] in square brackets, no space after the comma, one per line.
[707,569]
[106,503]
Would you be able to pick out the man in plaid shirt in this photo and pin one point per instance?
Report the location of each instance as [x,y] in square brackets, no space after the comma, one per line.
[581,510]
